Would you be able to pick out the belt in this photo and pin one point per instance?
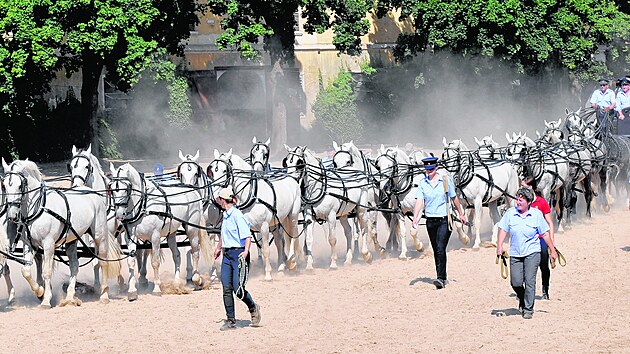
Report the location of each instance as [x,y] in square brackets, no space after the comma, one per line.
[233,248]
[437,218]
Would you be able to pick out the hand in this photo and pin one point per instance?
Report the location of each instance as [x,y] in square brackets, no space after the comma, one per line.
[244,254]
[414,224]
[621,117]
[553,256]
[499,250]
[217,252]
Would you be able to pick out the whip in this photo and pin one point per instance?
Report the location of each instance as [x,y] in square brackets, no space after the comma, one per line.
[243,275]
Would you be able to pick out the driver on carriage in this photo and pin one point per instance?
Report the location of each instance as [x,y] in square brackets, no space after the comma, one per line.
[623,99]
[603,100]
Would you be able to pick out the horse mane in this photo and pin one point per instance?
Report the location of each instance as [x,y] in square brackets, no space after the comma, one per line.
[29,167]
[97,165]
[239,163]
[132,173]
[400,155]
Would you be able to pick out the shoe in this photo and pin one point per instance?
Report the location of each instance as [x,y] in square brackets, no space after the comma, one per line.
[528,315]
[545,295]
[229,324]
[255,315]
[439,283]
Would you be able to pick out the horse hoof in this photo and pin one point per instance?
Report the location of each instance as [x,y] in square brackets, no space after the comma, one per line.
[104,300]
[44,307]
[143,284]
[132,296]
[268,277]
[381,251]
[196,279]
[368,258]
[12,302]
[420,247]
[606,208]
[73,302]
[40,293]
[403,258]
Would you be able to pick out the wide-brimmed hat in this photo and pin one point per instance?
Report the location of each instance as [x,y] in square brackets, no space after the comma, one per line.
[226,193]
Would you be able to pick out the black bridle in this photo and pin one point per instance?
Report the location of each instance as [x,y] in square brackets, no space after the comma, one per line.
[90,168]
[258,147]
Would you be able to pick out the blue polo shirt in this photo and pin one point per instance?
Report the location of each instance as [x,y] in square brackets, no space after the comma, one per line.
[234,228]
[603,99]
[524,230]
[434,197]
[623,100]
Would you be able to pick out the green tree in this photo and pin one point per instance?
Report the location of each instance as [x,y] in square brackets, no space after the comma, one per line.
[124,36]
[336,108]
[530,34]
[245,23]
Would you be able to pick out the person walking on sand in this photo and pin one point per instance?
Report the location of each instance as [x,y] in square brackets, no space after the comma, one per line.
[434,192]
[234,243]
[524,224]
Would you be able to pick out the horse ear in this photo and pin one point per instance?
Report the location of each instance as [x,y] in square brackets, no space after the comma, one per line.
[566,110]
[181,156]
[4,165]
[507,136]
[112,169]
[216,154]
[229,154]
[335,146]
[351,142]
[491,137]
[559,121]
[74,150]
[287,148]
[478,142]
[538,134]
[89,149]
[381,149]
[444,141]
[196,156]
[268,141]
[546,124]
[254,140]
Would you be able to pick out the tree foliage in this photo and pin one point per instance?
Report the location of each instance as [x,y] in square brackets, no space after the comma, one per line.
[336,108]
[530,34]
[125,36]
[246,22]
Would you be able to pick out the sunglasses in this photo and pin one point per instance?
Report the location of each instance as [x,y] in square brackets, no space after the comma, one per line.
[603,84]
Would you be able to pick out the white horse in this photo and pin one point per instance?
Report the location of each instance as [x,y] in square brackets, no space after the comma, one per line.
[259,154]
[190,173]
[267,201]
[150,212]
[52,218]
[480,182]
[85,170]
[398,184]
[356,168]
[547,164]
[5,242]
[488,148]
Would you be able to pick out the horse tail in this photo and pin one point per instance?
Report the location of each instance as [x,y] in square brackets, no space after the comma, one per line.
[204,241]
[114,254]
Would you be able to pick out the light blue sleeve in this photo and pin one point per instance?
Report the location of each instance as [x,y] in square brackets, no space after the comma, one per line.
[618,103]
[451,188]
[504,224]
[419,194]
[243,227]
[593,98]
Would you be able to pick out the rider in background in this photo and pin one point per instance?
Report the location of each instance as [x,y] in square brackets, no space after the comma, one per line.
[234,243]
[603,100]
[623,99]
[541,204]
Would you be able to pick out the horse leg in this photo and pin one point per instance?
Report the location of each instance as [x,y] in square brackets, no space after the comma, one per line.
[278,240]
[329,232]
[588,195]
[49,251]
[603,182]
[399,228]
[26,271]
[477,224]
[132,291]
[189,266]
[194,236]
[7,279]
[495,217]
[292,236]
[347,231]
[372,231]
[155,262]
[264,235]
[142,257]
[559,206]
[308,241]
[73,264]
[177,257]
[389,245]
[362,219]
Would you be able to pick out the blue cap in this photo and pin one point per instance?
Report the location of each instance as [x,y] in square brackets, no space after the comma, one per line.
[158,169]
[430,162]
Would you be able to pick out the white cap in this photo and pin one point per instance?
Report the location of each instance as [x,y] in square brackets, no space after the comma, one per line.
[226,193]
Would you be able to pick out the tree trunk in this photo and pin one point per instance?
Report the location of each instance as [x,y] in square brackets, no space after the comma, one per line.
[89,102]
[278,110]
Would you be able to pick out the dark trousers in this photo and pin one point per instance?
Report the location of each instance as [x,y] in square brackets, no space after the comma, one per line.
[437,228]
[523,279]
[544,264]
[230,274]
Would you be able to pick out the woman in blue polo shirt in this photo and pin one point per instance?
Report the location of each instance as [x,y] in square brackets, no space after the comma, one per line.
[524,224]
[431,193]
[234,242]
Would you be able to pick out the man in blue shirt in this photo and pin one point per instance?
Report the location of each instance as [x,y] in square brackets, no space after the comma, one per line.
[622,104]
[234,242]
[433,195]
[603,100]
[524,224]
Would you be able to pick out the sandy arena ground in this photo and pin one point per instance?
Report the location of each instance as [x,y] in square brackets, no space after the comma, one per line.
[388,306]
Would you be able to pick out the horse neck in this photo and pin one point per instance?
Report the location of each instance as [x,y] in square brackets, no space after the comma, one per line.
[239,181]
[100,181]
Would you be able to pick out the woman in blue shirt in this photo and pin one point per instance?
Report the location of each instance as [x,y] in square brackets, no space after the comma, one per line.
[524,224]
[431,193]
[234,242]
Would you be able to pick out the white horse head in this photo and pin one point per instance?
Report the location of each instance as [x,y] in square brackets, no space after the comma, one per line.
[86,170]
[346,155]
[518,146]
[189,171]
[126,187]
[259,154]
[416,156]
[21,182]
[487,147]
[393,165]
[452,152]
[226,168]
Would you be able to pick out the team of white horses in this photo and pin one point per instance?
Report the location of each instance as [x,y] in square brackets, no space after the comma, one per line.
[568,157]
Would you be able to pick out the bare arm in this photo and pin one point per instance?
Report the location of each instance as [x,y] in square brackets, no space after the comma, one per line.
[552,247]
[416,211]
[551,227]
[501,238]
[248,243]
[460,210]
[217,251]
